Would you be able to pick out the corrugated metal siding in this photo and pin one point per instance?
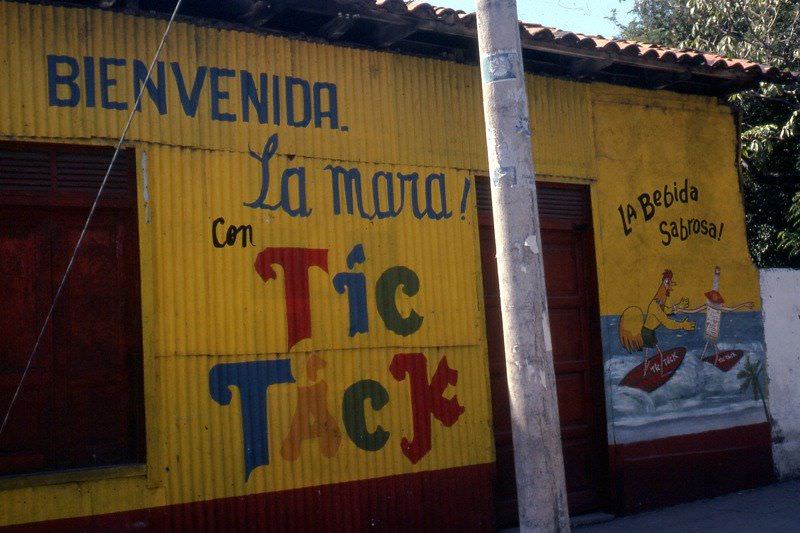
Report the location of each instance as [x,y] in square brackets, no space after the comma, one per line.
[199,428]
[205,306]
[398,109]
[210,300]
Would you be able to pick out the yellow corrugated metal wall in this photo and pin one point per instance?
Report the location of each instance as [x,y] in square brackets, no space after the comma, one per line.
[382,96]
[205,306]
[661,141]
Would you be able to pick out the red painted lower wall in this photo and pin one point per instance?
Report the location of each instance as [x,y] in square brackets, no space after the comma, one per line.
[457,499]
[690,467]
[645,475]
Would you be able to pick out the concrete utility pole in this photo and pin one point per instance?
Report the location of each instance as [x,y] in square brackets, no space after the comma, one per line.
[541,491]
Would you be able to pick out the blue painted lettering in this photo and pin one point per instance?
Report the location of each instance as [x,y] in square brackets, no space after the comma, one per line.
[107,82]
[294,101]
[88,80]
[250,95]
[189,102]
[156,91]
[305,92]
[54,80]
[356,285]
[386,178]
[351,181]
[332,111]
[218,94]
[438,179]
[285,203]
[276,100]
[252,379]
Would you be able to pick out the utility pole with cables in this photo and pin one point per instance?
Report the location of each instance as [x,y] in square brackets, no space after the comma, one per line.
[538,460]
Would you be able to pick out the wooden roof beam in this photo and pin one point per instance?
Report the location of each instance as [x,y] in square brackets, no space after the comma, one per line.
[263,11]
[384,35]
[583,68]
[339,25]
[662,80]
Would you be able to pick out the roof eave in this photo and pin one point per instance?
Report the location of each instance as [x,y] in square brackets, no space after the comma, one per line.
[420,29]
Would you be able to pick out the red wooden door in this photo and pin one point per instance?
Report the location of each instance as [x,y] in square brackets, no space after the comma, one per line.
[25,282]
[567,243]
[81,403]
[97,330]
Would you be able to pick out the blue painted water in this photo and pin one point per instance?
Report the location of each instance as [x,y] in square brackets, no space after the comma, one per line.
[736,328]
[699,396]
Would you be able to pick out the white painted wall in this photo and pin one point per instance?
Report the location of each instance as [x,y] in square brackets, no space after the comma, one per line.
[780,295]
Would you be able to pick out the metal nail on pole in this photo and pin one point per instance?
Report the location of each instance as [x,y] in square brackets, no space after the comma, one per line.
[541,492]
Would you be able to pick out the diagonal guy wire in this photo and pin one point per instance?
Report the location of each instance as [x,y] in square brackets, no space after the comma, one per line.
[90,216]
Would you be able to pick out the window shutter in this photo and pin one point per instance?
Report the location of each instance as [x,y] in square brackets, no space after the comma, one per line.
[81,403]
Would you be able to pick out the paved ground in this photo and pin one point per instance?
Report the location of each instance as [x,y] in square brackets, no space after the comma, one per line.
[773,508]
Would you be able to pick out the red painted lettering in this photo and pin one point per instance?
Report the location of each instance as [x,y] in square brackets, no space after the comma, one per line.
[426,399]
[296,263]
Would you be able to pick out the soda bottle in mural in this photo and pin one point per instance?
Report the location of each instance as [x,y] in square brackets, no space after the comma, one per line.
[714,306]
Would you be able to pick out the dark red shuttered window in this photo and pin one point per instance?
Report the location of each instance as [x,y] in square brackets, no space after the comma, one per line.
[81,404]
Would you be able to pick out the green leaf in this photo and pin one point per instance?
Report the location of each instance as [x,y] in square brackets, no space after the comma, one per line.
[764,31]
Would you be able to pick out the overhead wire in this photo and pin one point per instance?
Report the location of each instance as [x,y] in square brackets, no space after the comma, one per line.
[89,217]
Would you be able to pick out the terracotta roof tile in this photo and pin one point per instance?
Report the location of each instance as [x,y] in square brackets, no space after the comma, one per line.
[540,33]
[560,51]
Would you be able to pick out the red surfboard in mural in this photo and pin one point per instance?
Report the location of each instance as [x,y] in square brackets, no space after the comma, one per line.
[724,360]
[655,371]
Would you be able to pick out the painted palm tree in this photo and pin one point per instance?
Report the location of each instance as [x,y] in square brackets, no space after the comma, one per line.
[751,379]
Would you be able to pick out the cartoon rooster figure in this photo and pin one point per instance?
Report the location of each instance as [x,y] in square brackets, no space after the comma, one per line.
[637,329]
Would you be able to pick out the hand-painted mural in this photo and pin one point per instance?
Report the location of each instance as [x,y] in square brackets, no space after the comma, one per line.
[682,331]
[672,367]
[322,415]
[310,275]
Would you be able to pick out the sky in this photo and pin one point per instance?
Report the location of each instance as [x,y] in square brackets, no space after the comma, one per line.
[582,16]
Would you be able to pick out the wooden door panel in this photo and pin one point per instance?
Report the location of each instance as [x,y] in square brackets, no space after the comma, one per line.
[91,347]
[560,268]
[27,439]
[569,387]
[25,275]
[99,425]
[81,404]
[571,295]
[95,337]
[566,331]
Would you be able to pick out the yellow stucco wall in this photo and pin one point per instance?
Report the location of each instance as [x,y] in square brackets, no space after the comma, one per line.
[680,152]
[644,143]
[205,306]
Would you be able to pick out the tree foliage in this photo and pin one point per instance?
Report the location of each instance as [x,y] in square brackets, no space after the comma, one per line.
[765,31]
